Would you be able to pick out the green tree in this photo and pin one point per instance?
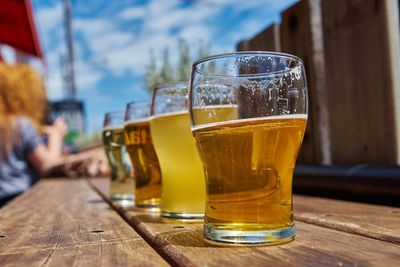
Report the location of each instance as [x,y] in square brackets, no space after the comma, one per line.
[167,72]
[152,77]
[204,51]
[184,60]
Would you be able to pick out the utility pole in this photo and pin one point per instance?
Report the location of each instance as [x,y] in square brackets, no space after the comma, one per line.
[70,74]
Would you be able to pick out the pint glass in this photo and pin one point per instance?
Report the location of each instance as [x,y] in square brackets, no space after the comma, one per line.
[122,180]
[183,193]
[143,156]
[248,113]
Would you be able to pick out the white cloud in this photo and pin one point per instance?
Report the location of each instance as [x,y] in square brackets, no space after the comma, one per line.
[87,76]
[134,57]
[196,32]
[7,53]
[49,17]
[53,76]
[126,51]
[92,27]
[113,43]
[49,21]
[133,13]
[247,4]
[156,8]
[54,86]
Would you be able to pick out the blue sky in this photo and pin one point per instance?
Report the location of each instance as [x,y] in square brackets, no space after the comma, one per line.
[112,39]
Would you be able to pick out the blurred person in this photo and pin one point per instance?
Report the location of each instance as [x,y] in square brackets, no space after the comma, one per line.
[23,155]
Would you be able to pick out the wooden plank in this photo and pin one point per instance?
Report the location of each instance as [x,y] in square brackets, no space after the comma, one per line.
[65,223]
[315,245]
[374,221]
[268,39]
[301,35]
[362,71]
[243,46]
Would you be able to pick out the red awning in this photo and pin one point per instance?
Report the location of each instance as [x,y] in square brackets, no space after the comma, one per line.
[17,26]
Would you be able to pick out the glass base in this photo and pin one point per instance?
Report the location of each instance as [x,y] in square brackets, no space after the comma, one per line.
[150,205]
[123,200]
[183,217]
[217,236]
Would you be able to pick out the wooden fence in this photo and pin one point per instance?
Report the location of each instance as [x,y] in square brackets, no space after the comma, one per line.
[351,52]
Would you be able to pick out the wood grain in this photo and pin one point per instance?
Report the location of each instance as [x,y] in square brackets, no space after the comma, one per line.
[302,35]
[374,221]
[65,223]
[361,43]
[316,244]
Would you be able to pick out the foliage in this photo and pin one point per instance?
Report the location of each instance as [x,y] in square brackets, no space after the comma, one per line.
[184,60]
[165,72]
[152,77]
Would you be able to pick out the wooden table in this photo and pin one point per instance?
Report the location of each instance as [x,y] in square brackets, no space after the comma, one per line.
[64,222]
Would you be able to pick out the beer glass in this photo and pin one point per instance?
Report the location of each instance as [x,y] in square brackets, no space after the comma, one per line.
[248,113]
[183,192]
[143,156]
[122,180]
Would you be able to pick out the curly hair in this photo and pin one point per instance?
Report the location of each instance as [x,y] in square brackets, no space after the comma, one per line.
[21,94]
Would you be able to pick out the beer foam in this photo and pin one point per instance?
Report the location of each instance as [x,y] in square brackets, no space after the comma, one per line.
[280,117]
[216,106]
[140,120]
[181,112]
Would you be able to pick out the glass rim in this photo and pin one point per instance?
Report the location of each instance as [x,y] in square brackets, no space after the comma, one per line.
[184,85]
[245,53]
[136,104]
[172,85]
[133,102]
[118,114]
[115,112]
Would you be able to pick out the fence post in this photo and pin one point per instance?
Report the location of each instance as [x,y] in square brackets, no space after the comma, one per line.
[302,35]
[361,43]
[267,40]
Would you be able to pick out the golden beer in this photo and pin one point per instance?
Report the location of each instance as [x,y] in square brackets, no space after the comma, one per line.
[249,166]
[122,180]
[183,193]
[145,164]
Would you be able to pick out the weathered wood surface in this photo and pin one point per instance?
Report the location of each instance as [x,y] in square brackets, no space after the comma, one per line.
[361,44]
[317,243]
[66,223]
[351,51]
[374,221]
[314,246]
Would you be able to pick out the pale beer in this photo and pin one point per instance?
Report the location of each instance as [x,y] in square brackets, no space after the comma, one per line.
[122,181]
[183,194]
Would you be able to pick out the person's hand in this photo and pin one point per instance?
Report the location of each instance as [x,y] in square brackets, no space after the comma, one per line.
[50,155]
[59,128]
